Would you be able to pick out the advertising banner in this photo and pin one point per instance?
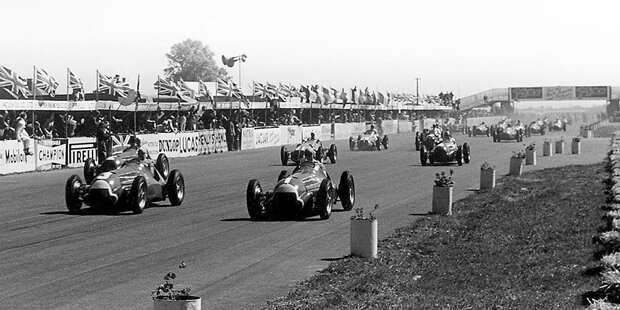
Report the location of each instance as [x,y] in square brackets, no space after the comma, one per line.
[80,149]
[50,154]
[218,141]
[591,92]
[193,143]
[290,134]
[559,93]
[341,131]
[150,143]
[327,131]
[247,138]
[40,105]
[13,159]
[526,93]
[307,130]
[266,137]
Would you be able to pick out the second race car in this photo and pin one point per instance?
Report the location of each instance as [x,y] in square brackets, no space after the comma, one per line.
[313,145]
[444,151]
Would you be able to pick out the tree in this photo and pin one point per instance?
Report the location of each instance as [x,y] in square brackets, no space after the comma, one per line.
[191,60]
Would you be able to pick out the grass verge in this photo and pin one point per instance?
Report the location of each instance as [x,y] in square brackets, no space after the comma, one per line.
[524,245]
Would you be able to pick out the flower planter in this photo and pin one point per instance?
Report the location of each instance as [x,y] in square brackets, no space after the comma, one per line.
[364,237]
[516,166]
[192,303]
[487,178]
[547,149]
[576,147]
[442,200]
[559,147]
[530,157]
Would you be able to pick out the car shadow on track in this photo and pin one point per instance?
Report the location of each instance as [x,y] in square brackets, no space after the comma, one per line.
[335,259]
[247,219]
[88,211]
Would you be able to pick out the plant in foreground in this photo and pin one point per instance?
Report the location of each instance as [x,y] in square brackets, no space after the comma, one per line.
[359,214]
[443,180]
[520,154]
[166,290]
[486,166]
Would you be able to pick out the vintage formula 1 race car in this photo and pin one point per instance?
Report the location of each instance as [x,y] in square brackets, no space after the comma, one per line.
[535,127]
[308,191]
[480,130]
[558,125]
[125,182]
[315,146]
[369,142]
[501,133]
[444,152]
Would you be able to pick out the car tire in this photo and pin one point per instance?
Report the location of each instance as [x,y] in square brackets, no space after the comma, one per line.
[283,175]
[325,199]
[137,195]
[351,144]
[254,195]
[90,170]
[417,140]
[459,155]
[162,165]
[333,153]
[175,188]
[466,153]
[284,155]
[72,194]
[385,142]
[423,155]
[346,190]
[318,155]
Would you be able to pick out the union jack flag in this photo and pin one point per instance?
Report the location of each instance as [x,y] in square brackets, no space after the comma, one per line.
[185,89]
[13,83]
[45,83]
[260,90]
[271,90]
[284,90]
[76,85]
[227,88]
[114,86]
[203,90]
[166,88]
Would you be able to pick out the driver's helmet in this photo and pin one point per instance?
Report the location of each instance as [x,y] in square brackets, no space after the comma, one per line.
[134,142]
[312,136]
[142,155]
[447,135]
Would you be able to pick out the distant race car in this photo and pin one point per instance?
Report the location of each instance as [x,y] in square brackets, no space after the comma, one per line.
[308,191]
[535,127]
[444,152]
[368,142]
[558,125]
[316,146]
[128,181]
[427,137]
[507,133]
[480,130]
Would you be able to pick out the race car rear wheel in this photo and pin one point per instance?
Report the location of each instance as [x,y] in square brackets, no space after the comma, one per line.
[417,140]
[466,153]
[283,175]
[253,197]
[423,155]
[346,190]
[351,144]
[137,195]
[459,155]
[333,153]
[325,199]
[385,142]
[378,144]
[318,155]
[72,194]
[162,165]
[284,155]
[90,170]
[175,188]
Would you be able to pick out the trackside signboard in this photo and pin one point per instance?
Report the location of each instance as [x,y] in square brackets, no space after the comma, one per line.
[560,93]
[13,159]
[50,154]
[80,149]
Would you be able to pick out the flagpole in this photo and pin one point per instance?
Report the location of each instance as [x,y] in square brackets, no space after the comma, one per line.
[136,110]
[67,110]
[253,92]
[158,88]
[97,89]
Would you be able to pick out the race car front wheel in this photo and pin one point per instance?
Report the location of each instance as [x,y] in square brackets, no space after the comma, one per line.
[351,144]
[284,154]
[333,153]
[137,195]
[176,188]
[72,194]
[254,196]
[346,190]
[466,153]
[325,199]
[90,170]
[162,165]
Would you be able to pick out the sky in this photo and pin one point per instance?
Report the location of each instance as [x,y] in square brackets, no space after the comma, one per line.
[459,46]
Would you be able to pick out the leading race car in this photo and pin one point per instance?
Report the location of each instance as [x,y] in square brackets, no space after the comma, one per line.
[558,125]
[308,191]
[125,182]
[480,130]
[369,142]
[535,127]
[444,151]
[507,133]
[313,145]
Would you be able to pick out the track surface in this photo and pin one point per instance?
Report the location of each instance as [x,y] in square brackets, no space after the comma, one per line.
[53,260]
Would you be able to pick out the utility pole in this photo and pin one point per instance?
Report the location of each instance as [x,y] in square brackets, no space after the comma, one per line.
[417,94]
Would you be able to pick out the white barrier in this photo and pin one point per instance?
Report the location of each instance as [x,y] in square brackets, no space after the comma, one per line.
[326,132]
[265,137]
[342,131]
[185,144]
[357,128]
[290,134]
[307,130]
[13,159]
[247,138]
[50,154]
[405,126]
[390,127]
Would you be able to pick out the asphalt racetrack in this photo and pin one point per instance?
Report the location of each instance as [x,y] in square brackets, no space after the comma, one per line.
[50,259]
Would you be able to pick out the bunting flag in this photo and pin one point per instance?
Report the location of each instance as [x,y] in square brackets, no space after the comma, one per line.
[185,89]
[361,97]
[284,90]
[166,88]
[45,83]
[203,91]
[13,83]
[327,96]
[272,91]
[259,90]
[314,93]
[76,86]
[343,97]
[113,86]
[380,98]
[294,91]
[239,94]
